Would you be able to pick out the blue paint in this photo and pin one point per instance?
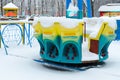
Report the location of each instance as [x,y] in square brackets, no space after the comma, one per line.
[67,3]
[80,3]
[118,30]
[89,9]
[27,31]
[5,47]
[104,43]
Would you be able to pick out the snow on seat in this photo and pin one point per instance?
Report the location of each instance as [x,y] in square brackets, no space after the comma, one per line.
[111,22]
[93,25]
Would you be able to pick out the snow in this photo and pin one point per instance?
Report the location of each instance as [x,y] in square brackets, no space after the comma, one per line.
[17,68]
[10,5]
[18,64]
[86,54]
[72,7]
[49,21]
[13,21]
[111,21]
[94,24]
[113,4]
[109,8]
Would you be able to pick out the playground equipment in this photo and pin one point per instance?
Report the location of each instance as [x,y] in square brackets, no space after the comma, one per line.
[15,32]
[74,8]
[10,10]
[110,10]
[61,39]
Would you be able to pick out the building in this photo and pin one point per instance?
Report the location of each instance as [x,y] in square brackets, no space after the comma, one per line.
[110,10]
[10,10]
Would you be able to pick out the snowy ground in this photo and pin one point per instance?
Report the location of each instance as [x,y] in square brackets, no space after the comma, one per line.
[17,68]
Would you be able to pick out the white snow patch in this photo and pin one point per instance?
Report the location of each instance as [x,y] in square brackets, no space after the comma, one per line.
[16,68]
[72,7]
[93,25]
[49,21]
[111,21]
[109,8]
[10,5]
[86,54]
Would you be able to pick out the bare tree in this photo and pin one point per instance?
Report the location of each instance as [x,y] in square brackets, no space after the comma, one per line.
[29,7]
[22,7]
[1,7]
[34,6]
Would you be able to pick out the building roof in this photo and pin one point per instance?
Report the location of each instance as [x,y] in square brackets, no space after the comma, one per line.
[110,7]
[10,6]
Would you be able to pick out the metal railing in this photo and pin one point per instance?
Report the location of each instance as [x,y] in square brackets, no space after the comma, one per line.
[15,33]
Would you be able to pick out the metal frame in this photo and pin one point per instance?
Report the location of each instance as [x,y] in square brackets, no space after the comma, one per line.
[24,31]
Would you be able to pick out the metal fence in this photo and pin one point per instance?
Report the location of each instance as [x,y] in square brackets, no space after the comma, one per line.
[14,33]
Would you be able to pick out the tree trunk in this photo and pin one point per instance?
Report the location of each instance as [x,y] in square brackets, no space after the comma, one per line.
[2,7]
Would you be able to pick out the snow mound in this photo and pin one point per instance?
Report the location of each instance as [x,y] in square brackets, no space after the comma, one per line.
[93,25]
[111,21]
[48,21]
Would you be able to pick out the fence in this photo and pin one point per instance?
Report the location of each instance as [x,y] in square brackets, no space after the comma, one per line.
[13,33]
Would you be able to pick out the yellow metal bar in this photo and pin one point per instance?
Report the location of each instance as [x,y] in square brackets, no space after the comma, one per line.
[9,22]
[23,33]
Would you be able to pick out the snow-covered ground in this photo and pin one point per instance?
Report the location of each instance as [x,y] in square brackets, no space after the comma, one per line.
[13,67]
[18,65]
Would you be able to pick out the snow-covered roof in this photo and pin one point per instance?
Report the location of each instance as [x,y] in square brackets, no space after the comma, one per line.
[10,5]
[113,4]
[110,7]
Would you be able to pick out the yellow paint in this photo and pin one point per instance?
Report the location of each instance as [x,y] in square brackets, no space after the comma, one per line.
[111,14]
[38,28]
[71,34]
[7,10]
[108,31]
[51,30]
[10,8]
[57,29]
[76,31]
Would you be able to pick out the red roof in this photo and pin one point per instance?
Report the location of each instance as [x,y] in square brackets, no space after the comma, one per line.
[10,14]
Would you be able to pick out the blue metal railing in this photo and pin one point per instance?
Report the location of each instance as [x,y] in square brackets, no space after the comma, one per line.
[8,34]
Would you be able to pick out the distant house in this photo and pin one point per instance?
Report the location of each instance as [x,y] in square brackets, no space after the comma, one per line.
[10,10]
[110,10]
